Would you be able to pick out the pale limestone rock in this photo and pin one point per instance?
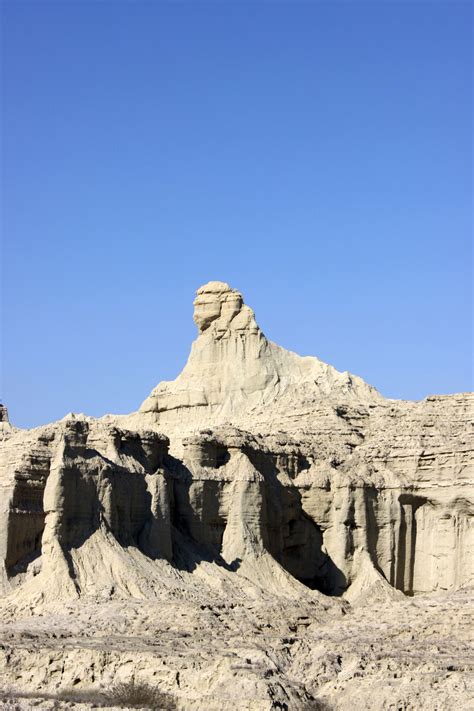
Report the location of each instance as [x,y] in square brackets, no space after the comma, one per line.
[233,372]
[282,514]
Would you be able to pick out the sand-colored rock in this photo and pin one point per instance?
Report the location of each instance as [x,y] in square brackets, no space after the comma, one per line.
[234,372]
[262,492]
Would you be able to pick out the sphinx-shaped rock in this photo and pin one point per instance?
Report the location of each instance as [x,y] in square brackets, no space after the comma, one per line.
[234,373]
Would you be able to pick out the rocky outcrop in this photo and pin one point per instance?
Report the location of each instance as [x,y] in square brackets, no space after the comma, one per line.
[393,479]
[234,371]
[260,490]
[300,463]
[64,482]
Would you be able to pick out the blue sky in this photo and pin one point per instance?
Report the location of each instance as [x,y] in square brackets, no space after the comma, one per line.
[315,155]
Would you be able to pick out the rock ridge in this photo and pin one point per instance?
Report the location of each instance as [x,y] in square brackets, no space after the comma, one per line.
[258,490]
[313,466]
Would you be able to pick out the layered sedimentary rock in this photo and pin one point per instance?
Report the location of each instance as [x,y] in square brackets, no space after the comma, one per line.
[234,371]
[64,482]
[313,466]
[256,472]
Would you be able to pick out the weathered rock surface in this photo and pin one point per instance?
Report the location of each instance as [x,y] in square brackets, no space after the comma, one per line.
[262,492]
[234,373]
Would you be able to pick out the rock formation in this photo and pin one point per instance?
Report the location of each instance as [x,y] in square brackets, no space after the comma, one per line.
[234,374]
[256,473]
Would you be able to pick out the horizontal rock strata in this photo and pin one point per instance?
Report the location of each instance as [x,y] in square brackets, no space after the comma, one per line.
[256,474]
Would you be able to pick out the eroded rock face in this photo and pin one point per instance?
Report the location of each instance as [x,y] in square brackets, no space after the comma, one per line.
[234,374]
[257,472]
[307,464]
[63,482]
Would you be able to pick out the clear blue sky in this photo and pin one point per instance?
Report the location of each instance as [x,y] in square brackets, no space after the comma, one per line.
[317,156]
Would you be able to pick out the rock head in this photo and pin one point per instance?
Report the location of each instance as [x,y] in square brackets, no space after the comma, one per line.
[216,303]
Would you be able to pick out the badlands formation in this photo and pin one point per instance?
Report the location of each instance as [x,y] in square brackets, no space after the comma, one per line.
[263,533]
